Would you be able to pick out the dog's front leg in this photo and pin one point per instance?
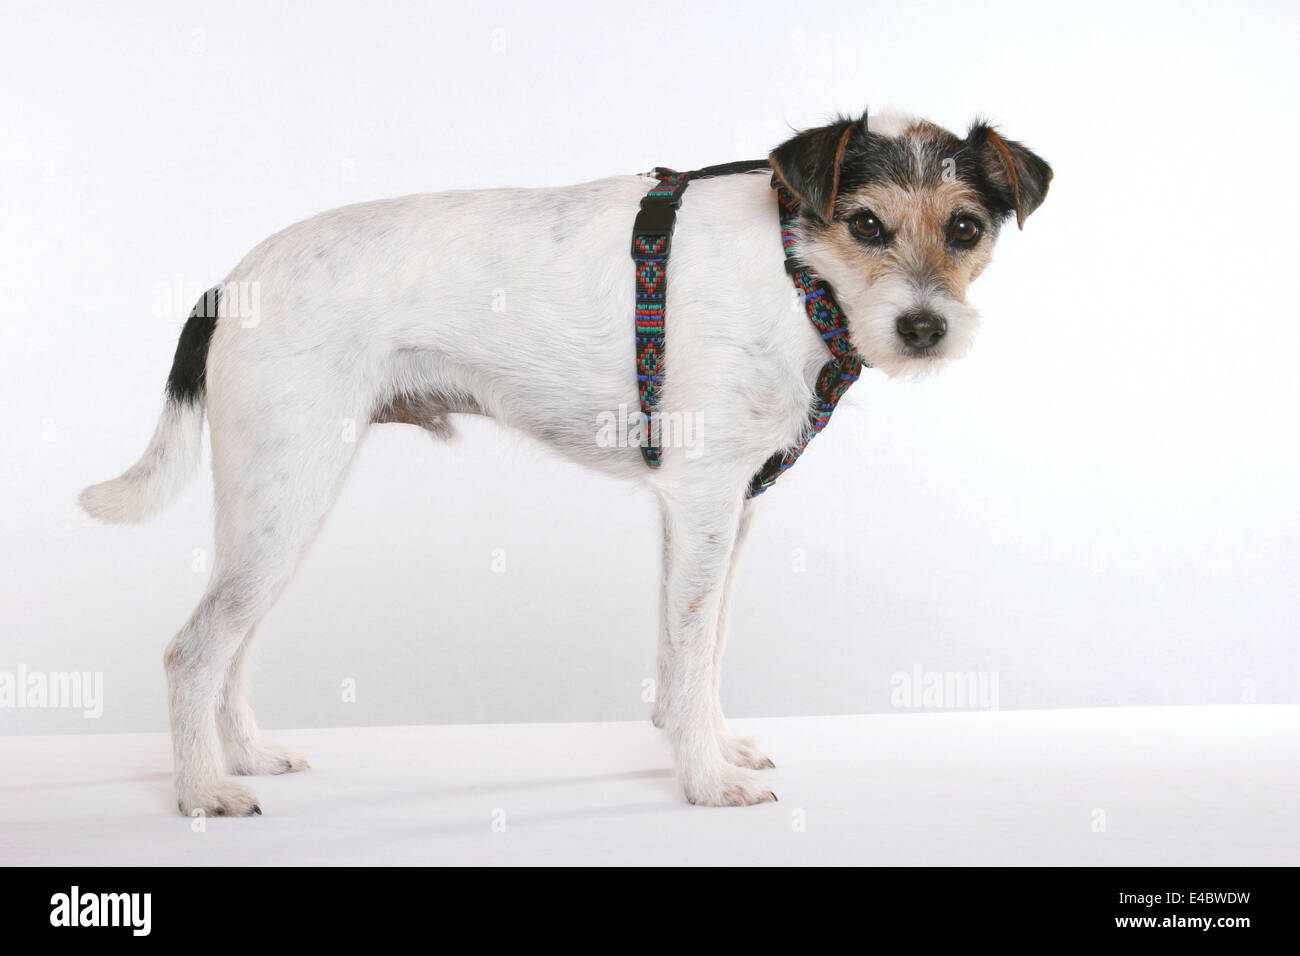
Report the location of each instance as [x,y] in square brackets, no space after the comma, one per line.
[664,653]
[700,534]
[742,751]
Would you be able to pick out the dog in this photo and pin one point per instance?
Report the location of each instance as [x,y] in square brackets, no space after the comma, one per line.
[391,311]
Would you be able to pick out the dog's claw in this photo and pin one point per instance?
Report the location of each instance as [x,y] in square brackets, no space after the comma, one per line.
[743,752]
[264,757]
[732,787]
[219,800]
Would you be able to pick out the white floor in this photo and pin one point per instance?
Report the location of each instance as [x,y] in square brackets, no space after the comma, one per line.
[1171,786]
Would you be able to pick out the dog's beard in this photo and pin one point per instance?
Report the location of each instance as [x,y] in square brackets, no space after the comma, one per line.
[873,329]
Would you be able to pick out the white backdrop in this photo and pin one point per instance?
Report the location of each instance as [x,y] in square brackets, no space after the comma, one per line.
[1098,506]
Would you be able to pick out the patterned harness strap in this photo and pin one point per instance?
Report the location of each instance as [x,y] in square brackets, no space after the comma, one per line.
[651,243]
[838,374]
[652,237]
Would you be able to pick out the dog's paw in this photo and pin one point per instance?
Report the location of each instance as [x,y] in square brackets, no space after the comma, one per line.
[743,752]
[261,758]
[728,786]
[221,799]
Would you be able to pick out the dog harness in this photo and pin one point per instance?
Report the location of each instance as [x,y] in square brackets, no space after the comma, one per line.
[651,242]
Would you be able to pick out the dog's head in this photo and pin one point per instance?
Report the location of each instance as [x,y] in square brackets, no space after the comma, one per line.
[899,215]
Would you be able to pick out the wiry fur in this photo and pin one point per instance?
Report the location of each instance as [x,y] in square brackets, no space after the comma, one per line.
[161,474]
[518,305]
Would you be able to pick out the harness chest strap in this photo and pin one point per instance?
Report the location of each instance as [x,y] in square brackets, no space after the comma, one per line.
[652,236]
[651,244]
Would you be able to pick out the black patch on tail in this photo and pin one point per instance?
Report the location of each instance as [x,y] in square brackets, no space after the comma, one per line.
[189,368]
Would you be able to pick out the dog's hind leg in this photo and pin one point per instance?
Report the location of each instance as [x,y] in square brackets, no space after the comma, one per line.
[276,476]
[703,525]
[247,752]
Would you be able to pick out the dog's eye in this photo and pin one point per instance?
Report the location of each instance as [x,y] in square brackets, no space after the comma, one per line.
[867,226]
[964,231]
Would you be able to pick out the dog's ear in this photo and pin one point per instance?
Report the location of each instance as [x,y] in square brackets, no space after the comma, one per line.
[809,165]
[1016,177]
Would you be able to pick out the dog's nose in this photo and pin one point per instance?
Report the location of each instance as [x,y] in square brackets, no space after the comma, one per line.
[921,329]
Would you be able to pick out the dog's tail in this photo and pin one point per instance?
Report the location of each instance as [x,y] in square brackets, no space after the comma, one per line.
[157,479]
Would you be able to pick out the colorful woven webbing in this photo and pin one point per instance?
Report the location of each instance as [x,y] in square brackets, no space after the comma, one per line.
[651,243]
[651,239]
[838,374]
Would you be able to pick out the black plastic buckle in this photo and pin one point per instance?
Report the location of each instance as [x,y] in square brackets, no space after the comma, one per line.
[657,217]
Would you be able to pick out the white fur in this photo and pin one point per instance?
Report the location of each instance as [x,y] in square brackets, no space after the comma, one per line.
[364,303]
[891,122]
[157,479]
[877,305]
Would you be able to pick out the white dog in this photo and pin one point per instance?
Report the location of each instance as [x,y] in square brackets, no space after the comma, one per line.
[384,311]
